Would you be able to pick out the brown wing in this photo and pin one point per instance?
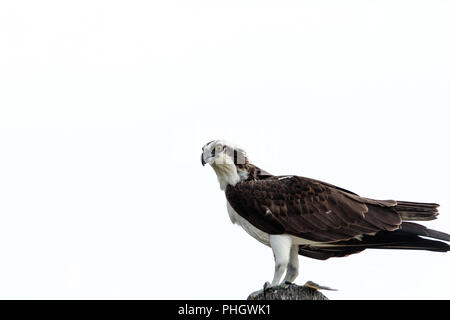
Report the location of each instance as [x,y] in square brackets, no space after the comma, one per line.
[310,209]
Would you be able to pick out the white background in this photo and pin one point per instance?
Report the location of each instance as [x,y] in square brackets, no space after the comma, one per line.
[105,105]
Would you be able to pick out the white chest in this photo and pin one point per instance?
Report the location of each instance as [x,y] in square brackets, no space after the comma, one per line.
[264,237]
[259,235]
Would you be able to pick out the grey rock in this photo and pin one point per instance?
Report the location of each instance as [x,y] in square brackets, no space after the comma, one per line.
[287,292]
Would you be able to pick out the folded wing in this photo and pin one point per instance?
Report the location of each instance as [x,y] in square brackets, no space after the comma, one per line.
[310,209]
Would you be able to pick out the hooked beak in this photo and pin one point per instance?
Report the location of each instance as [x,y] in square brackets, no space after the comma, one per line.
[207,158]
[203,161]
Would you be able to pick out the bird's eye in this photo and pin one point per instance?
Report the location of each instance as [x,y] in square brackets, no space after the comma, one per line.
[219,148]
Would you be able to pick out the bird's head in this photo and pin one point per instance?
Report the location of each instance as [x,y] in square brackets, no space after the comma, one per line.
[220,152]
[228,161]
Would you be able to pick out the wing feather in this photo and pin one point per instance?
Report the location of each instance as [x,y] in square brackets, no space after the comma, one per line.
[310,209]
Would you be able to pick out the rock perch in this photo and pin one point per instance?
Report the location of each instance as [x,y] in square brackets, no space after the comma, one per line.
[287,292]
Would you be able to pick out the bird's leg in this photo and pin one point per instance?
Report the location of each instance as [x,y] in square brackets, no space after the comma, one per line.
[292,267]
[281,245]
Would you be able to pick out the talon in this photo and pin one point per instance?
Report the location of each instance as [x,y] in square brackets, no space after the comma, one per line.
[288,282]
[265,287]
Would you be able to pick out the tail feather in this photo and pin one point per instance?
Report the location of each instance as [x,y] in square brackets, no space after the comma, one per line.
[398,239]
[417,229]
[417,211]
[323,253]
[408,236]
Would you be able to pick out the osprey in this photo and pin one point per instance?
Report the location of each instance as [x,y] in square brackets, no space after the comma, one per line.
[301,216]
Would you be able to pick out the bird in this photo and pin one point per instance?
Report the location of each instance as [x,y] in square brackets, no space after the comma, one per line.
[295,215]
